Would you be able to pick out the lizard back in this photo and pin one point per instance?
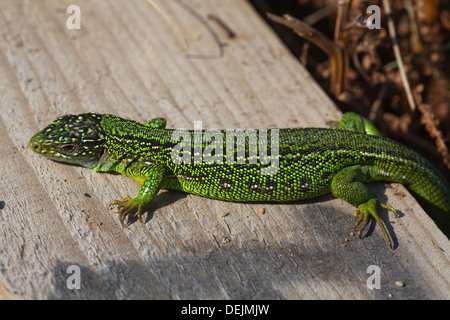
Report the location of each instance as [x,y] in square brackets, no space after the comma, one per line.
[303,161]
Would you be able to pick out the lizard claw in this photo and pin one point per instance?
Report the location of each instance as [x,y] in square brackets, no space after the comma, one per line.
[128,206]
[367,209]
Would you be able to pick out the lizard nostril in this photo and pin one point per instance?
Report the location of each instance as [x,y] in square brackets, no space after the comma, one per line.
[35,144]
[35,147]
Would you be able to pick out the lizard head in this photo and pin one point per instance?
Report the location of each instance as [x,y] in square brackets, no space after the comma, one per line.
[75,139]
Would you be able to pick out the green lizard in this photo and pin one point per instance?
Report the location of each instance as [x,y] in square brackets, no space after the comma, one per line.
[305,162]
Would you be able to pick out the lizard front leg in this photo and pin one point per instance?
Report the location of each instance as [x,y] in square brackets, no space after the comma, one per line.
[156,123]
[151,177]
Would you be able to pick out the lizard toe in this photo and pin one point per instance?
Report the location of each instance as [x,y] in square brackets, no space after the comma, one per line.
[370,209]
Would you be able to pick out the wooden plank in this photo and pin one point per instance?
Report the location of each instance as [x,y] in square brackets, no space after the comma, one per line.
[128,60]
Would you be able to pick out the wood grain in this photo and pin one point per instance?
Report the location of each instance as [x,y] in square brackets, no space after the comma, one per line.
[128,60]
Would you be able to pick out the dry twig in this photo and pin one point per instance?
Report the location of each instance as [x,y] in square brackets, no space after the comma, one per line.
[329,47]
[398,55]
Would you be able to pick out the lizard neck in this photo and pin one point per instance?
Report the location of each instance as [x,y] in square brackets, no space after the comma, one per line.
[128,141]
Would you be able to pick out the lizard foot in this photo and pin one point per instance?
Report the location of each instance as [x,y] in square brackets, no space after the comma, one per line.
[367,209]
[129,205]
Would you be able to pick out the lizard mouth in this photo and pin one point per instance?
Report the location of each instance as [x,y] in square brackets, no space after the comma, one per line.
[38,145]
[46,149]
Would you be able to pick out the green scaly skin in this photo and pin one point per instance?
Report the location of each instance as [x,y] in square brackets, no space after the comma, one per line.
[311,162]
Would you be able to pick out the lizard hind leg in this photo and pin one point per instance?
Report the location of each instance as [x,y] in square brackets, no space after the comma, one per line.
[348,184]
[353,122]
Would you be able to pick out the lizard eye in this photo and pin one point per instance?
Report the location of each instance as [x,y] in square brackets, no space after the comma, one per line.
[68,148]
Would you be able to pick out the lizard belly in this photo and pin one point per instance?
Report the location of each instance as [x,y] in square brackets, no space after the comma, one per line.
[245,183]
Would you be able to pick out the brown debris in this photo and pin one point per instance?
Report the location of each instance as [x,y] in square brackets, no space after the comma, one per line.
[362,68]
